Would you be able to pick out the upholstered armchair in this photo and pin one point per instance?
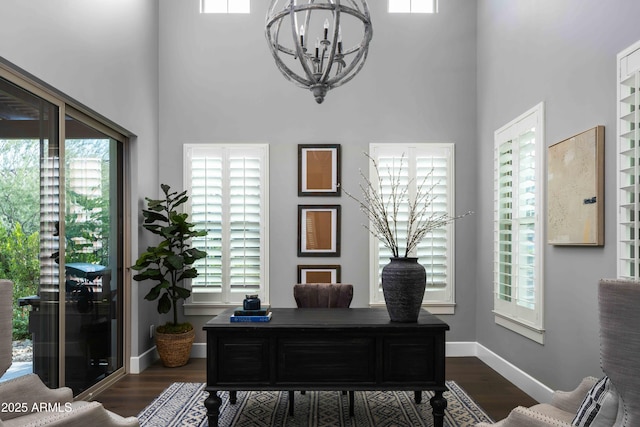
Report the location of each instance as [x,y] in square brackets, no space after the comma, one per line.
[322,295]
[35,404]
[559,412]
[614,400]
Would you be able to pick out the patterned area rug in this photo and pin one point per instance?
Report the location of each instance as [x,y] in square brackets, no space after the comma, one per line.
[182,404]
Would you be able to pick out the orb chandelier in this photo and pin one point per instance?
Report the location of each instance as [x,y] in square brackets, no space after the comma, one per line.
[309,41]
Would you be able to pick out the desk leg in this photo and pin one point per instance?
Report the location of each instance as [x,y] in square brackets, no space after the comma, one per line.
[212,403]
[352,397]
[233,397]
[439,404]
[417,396]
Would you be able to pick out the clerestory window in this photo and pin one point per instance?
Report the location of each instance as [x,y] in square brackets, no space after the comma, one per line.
[413,6]
[225,6]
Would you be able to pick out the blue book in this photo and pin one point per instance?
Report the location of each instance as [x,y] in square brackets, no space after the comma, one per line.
[242,312]
[235,319]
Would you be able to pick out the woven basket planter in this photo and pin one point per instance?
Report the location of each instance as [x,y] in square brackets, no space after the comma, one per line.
[175,349]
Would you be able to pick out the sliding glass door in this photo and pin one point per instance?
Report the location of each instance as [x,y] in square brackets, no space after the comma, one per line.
[93,242]
[61,224]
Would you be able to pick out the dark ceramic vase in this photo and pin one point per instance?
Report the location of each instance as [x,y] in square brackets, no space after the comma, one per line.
[403,284]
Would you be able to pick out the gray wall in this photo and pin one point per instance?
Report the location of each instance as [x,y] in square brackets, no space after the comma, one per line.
[219,83]
[562,53]
[102,53]
[172,76]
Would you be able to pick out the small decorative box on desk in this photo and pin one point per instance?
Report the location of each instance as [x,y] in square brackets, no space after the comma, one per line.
[251,302]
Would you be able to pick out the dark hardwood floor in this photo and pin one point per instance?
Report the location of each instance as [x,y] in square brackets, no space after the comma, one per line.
[493,392]
[490,390]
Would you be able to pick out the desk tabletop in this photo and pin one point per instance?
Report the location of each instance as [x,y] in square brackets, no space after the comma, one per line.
[377,317]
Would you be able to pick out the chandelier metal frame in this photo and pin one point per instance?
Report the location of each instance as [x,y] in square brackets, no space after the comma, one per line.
[329,55]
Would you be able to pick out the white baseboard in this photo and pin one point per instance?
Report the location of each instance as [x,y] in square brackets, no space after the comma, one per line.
[199,350]
[517,376]
[454,349]
[142,362]
[146,359]
[462,349]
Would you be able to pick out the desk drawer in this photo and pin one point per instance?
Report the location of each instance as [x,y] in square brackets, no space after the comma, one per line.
[243,360]
[326,360]
[409,359]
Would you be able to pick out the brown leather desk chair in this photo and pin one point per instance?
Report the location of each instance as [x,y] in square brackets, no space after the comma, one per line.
[321,295]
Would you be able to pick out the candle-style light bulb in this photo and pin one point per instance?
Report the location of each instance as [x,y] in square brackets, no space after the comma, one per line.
[317,48]
[301,35]
[339,39]
[326,28]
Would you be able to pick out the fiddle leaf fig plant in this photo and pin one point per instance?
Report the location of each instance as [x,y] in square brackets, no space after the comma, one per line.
[170,262]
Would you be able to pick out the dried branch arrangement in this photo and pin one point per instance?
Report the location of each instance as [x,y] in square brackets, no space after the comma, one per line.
[383,210]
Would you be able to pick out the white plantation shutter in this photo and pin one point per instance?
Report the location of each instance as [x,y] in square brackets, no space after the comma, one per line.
[517,226]
[245,189]
[434,246]
[516,250]
[527,201]
[628,162]
[228,199]
[206,213]
[504,185]
[418,161]
[389,160]
[49,223]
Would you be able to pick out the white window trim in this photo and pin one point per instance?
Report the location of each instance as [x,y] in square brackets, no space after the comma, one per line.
[436,301]
[213,308]
[528,323]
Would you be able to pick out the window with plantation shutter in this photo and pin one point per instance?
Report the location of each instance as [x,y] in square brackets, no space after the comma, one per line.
[518,234]
[628,162]
[412,163]
[228,199]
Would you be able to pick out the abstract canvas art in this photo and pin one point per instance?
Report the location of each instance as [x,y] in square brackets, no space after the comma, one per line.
[575,190]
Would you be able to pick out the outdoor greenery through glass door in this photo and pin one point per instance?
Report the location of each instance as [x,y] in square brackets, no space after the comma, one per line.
[93,308]
[34,234]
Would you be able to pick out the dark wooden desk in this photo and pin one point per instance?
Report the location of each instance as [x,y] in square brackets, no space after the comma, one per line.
[326,349]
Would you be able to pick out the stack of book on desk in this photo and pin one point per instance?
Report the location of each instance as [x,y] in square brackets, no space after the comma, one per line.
[242,315]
